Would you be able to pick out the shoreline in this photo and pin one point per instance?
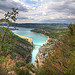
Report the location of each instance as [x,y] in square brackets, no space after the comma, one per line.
[43,35]
[46,36]
[23,37]
[30,40]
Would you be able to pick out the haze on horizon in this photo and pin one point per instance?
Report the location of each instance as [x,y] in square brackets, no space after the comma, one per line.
[41,11]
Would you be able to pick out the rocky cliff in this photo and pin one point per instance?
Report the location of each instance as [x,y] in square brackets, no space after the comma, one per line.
[43,52]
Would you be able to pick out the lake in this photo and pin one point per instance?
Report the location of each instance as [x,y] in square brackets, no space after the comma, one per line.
[37,39]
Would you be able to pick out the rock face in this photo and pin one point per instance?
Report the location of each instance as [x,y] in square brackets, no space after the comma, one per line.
[38,61]
[43,53]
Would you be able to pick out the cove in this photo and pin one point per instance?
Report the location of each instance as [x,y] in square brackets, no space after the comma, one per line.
[37,39]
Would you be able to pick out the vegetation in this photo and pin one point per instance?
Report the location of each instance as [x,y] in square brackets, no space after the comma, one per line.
[9,16]
[3,71]
[21,71]
[20,64]
[15,52]
[52,33]
[43,25]
[60,60]
[17,45]
[31,67]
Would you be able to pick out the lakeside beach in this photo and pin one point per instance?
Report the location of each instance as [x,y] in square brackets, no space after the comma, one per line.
[29,39]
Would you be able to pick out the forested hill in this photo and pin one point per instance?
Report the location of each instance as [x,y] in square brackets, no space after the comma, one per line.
[16,47]
[57,56]
[42,25]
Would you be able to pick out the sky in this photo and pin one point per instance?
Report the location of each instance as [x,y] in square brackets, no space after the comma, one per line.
[41,11]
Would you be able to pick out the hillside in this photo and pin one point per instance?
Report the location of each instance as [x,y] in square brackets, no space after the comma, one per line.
[54,35]
[16,50]
[57,56]
[20,47]
[16,53]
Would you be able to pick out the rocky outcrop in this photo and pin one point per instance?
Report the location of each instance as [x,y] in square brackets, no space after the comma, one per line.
[43,53]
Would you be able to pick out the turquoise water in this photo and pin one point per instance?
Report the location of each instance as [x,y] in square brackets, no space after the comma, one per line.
[37,39]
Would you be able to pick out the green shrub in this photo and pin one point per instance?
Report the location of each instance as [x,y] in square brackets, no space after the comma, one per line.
[3,71]
[20,64]
[31,67]
[21,71]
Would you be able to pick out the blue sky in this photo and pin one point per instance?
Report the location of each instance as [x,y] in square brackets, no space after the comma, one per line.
[41,11]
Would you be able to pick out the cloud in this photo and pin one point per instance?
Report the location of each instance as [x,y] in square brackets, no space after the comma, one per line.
[41,10]
[6,5]
[54,9]
[2,0]
[66,7]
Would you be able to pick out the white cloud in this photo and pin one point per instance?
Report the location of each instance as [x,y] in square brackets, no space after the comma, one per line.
[45,9]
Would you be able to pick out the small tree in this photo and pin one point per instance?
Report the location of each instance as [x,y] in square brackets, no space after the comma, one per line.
[71,28]
[9,18]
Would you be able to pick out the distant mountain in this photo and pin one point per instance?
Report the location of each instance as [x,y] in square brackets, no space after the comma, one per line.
[39,25]
[42,25]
